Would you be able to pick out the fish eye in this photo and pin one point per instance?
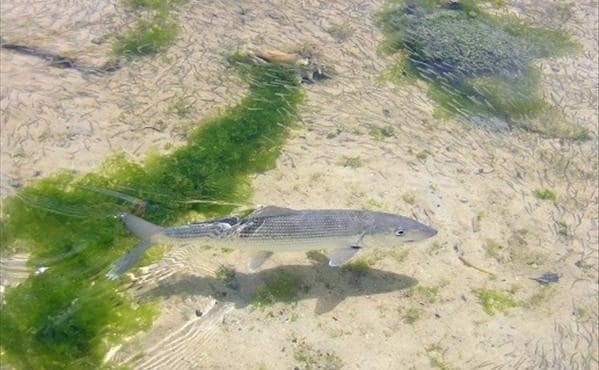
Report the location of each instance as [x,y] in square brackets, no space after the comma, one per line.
[400,232]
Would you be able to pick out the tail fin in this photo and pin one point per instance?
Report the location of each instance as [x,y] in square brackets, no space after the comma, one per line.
[142,229]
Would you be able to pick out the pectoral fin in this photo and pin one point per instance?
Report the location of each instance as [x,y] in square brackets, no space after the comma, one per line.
[342,255]
[257,259]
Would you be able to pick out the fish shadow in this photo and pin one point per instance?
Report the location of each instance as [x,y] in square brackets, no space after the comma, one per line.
[329,285]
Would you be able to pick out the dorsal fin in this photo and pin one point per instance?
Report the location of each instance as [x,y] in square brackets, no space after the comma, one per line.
[270,211]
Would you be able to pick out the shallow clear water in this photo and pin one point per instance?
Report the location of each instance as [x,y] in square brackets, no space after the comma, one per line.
[489,136]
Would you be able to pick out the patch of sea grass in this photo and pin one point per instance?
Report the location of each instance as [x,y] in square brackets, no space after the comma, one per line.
[476,64]
[68,316]
[151,34]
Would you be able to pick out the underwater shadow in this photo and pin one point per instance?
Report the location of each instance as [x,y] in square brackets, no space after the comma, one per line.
[329,285]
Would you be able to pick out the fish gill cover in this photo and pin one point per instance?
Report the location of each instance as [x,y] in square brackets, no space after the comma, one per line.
[69,316]
[477,64]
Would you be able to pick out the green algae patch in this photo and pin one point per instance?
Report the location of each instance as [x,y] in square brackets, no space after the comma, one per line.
[65,323]
[311,359]
[475,64]
[228,276]
[545,194]
[351,162]
[381,133]
[424,294]
[358,268]
[152,34]
[159,5]
[69,315]
[494,301]
[436,354]
[147,37]
[411,315]
[281,288]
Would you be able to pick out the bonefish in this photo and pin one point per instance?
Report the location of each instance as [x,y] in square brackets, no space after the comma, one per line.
[274,229]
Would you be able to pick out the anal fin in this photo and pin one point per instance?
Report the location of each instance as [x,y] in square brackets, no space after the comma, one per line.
[257,259]
[342,255]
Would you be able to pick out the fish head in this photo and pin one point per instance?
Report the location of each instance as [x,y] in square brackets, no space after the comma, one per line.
[400,229]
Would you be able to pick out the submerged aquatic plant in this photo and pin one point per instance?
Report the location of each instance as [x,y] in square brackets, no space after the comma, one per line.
[358,268]
[493,301]
[475,63]
[310,358]
[152,35]
[281,288]
[147,37]
[545,194]
[154,4]
[68,316]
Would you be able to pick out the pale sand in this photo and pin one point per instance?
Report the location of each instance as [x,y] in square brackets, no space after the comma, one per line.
[54,119]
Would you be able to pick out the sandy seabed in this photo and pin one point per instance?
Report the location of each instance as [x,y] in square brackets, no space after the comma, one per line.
[473,185]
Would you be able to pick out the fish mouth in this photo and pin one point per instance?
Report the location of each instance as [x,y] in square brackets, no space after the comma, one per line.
[421,233]
[428,232]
